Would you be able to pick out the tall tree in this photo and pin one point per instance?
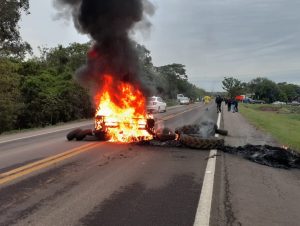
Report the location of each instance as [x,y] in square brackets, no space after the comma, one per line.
[10,96]
[291,91]
[265,89]
[176,69]
[11,43]
[233,86]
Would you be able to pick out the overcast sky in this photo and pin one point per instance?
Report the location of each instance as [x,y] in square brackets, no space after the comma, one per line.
[213,38]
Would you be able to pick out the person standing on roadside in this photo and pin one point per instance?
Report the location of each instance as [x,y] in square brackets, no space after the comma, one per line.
[218,102]
[229,104]
[236,106]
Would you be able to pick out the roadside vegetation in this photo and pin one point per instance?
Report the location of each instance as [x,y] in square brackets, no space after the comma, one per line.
[262,89]
[282,122]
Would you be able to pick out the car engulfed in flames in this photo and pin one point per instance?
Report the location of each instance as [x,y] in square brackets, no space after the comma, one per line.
[131,130]
[121,114]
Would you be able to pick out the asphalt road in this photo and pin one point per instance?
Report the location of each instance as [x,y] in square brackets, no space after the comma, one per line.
[46,180]
[100,183]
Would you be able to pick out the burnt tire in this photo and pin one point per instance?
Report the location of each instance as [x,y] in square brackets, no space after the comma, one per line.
[194,129]
[188,129]
[165,137]
[165,134]
[222,132]
[196,142]
[102,136]
[71,135]
[150,126]
[83,133]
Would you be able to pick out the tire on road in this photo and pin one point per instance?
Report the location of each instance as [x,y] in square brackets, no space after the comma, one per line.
[187,129]
[83,133]
[205,129]
[165,137]
[102,136]
[165,134]
[71,135]
[222,132]
[196,142]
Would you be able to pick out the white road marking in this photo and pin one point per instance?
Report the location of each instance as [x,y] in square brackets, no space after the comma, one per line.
[204,206]
[40,134]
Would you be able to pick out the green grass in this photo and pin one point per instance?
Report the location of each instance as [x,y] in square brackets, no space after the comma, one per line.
[283,122]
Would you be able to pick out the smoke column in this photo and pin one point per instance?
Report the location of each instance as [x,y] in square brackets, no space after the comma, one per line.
[108,23]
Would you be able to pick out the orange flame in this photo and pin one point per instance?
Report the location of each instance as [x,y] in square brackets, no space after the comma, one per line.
[123,107]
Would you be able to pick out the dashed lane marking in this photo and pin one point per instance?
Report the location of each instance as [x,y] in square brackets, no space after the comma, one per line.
[29,168]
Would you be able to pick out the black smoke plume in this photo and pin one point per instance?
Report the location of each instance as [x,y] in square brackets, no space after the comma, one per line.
[108,23]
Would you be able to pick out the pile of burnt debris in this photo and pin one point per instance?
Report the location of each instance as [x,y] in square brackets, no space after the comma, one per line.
[201,136]
[266,155]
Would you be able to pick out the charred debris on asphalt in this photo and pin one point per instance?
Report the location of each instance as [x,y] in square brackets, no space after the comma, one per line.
[201,136]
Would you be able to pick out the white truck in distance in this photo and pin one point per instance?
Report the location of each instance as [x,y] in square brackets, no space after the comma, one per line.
[182,99]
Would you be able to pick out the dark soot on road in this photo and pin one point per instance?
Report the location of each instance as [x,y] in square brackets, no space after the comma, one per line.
[267,155]
[263,154]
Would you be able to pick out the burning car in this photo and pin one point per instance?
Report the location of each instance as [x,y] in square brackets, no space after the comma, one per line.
[121,114]
[107,129]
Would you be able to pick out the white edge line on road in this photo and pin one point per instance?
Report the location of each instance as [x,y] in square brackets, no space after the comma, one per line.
[204,206]
[40,134]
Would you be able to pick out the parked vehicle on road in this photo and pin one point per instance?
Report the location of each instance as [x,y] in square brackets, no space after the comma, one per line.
[182,99]
[156,104]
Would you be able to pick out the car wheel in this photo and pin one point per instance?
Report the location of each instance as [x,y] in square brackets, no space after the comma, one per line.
[71,135]
[158,110]
[82,134]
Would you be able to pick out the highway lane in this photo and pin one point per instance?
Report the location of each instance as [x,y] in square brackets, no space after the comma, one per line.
[99,183]
[107,184]
[23,148]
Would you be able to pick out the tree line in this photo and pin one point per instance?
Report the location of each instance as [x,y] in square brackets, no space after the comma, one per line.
[262,89]
[168,80]
[40,91]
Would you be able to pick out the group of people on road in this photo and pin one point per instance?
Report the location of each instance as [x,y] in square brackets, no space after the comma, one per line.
[232,104]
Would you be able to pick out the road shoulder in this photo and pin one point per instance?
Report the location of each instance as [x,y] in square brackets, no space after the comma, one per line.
[43,131]
[252,194]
